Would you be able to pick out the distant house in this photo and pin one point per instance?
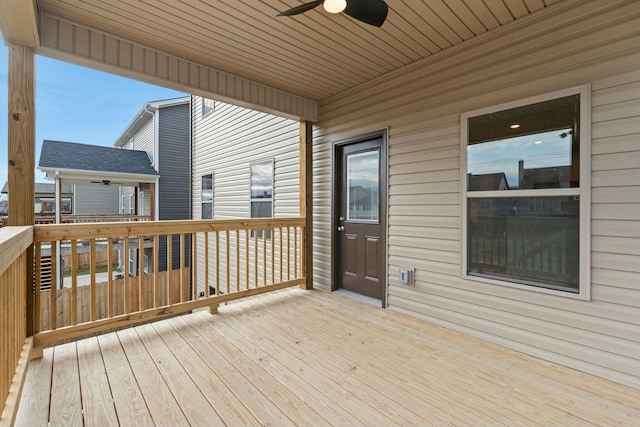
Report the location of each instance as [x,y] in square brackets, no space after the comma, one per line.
[45,198]
[161,130]
[488,182]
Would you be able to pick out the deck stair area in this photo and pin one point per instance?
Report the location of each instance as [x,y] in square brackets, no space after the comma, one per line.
[296,357]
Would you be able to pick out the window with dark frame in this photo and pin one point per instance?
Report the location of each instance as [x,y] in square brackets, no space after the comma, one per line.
[261,189]
[523,194]
[206,197]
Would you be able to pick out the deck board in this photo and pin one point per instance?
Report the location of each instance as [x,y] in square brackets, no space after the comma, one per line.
[309,358]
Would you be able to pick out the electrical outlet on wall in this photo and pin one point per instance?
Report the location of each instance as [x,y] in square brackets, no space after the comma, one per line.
[406,276]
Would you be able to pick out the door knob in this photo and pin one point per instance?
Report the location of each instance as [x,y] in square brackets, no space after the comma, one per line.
[340,228]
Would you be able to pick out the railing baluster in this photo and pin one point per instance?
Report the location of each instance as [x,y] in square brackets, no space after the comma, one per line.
[92,290]
[280,240]
[217,233]
[246,258]
[142,286]
[126,294]
[181,267]
[273,256]
[264,257]
[38,273]
[53,295]
[74,282]
[110,298]
[288,253]
[206,264]
[228,259]
[169,269]
[255,258]
[194,266]
[295,252]
[156,270]
[237,260]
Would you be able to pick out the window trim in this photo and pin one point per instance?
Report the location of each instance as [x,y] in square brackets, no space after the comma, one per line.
[584,191]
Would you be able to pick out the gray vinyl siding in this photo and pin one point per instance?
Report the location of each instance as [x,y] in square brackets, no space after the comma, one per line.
[174,163]
[225,143]
[95,199]
[595,44]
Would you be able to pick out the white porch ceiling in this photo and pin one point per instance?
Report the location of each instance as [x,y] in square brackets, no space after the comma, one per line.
[313,56]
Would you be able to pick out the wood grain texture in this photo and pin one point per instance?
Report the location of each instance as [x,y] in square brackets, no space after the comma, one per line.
[315,358]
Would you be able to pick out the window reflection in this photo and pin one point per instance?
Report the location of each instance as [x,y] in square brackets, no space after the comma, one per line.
[363,186]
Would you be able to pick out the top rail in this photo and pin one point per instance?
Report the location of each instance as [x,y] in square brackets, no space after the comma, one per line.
[49,232]
[13,242]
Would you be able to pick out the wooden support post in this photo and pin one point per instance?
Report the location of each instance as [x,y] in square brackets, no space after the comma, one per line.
[136,198]
[152,201]
[306,199]
[21,152]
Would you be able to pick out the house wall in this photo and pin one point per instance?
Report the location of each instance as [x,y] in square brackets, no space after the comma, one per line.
[143,140]
[95,199]
[225,143]
[174,162]
[596,42]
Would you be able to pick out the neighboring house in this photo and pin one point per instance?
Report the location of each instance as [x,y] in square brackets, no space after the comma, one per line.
[161,129]
[99,170]
[45,198]
[245,165]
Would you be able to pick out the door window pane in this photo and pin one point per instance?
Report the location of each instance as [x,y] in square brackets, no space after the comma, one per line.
[363,186]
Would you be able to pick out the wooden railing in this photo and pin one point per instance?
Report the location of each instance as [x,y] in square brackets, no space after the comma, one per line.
[167,268]
[15,346]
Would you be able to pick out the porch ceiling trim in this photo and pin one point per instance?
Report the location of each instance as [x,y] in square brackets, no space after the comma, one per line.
[18,22]
[69,41]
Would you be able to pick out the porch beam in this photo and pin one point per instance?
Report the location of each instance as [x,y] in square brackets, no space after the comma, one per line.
[70,41]
[21,151]
[306,198]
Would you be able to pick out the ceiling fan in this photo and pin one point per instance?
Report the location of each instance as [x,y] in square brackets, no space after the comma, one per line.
[372,12]
[107,182]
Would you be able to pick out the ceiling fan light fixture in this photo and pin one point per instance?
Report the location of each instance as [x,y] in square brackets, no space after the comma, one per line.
[334,6]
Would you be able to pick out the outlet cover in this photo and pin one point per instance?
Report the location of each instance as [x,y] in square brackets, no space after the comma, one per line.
[405,276]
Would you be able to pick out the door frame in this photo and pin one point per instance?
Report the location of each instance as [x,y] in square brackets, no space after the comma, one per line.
[384,190]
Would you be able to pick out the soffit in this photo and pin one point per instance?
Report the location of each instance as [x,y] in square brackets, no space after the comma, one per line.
[314,55]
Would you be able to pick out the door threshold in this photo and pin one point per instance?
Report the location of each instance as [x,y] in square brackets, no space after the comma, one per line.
[363,298]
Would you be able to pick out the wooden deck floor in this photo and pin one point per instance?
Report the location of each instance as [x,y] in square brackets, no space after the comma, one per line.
[308,358]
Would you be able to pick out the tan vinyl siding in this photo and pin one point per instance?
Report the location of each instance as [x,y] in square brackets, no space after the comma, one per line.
[421,107]
[225,143]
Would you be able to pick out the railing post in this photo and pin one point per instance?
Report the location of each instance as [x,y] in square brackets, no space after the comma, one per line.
[306,200]
[21,152]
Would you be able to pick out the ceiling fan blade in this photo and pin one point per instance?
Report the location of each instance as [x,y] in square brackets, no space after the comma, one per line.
[301,9]
[372,12]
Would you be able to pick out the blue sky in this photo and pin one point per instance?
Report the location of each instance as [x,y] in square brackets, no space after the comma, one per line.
[77,104]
